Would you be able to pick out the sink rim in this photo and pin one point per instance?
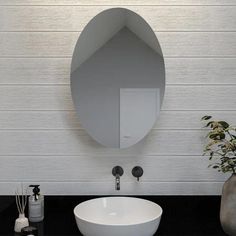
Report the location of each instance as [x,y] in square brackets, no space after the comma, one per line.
[158,216]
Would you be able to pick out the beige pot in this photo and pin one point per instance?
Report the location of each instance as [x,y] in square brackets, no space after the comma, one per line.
[228,206]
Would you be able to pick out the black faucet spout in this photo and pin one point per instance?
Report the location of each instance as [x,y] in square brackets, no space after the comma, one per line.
[117,171]
[117,182]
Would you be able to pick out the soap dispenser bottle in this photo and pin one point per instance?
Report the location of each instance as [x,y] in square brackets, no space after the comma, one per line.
[36,205]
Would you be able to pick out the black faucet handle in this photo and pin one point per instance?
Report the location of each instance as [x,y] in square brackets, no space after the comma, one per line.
[117,170]
[137,172]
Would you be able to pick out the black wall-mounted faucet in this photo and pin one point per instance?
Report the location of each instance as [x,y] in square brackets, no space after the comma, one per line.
[117,171]
[137,172]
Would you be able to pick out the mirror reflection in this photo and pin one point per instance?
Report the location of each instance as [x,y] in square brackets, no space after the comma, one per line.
[117,78]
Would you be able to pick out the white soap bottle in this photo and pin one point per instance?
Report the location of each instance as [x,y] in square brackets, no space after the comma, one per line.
[36,205]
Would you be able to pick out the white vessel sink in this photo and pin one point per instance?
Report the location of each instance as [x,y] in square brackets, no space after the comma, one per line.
[115,216]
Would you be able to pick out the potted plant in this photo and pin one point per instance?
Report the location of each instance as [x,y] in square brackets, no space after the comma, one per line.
[221,149]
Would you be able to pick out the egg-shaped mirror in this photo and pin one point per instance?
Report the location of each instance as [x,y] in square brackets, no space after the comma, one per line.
[117,78]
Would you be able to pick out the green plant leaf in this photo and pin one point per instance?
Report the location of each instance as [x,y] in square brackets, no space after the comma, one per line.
[217,136]
[215,167]
[211,155]
[206,117]
[209,123]
[224,124]
[221,146]
[233,136]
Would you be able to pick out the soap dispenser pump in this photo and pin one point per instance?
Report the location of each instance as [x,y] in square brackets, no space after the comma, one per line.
[36,205]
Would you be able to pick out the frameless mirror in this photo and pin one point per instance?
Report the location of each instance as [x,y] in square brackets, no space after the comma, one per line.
[117,78]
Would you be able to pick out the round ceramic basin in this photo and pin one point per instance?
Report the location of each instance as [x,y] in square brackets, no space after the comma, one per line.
[115,216]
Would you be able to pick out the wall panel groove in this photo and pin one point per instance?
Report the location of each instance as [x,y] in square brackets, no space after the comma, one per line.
[78,142]
[93,3]
[160,18]
[128,188]
[37,120]
[59,98]
[62,44]
[97,169]
[57,71]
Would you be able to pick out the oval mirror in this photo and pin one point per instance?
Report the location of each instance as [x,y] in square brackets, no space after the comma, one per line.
[117,78]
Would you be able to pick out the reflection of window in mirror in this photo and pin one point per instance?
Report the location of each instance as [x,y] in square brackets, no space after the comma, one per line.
[139,109]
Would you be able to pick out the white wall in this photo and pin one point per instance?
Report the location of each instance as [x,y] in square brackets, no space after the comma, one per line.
[41,140]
